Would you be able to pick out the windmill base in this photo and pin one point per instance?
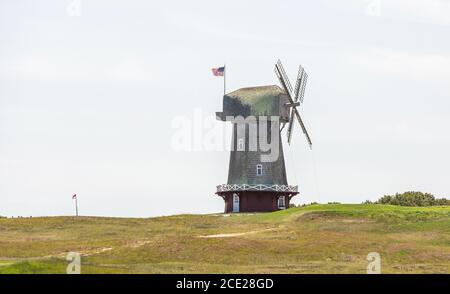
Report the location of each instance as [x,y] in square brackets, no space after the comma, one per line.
[255,201]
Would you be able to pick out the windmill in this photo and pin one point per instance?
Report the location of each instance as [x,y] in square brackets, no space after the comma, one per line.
[295,98]
[254,185]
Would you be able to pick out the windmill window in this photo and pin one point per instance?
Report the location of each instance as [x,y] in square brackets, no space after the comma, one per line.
[240,146]
[259,169]
[281,202]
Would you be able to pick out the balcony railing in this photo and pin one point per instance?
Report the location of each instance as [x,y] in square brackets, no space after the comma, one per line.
[259,187]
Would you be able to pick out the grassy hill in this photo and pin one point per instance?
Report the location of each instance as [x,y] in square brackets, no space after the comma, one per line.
[312,239]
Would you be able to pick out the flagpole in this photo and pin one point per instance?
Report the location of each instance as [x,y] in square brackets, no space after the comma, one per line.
[76,205]
[224,78]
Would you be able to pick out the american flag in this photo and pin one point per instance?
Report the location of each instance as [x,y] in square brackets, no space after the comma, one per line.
[219,71]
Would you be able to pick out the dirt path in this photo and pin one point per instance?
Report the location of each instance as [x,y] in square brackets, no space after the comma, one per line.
[235,234]
[89,252]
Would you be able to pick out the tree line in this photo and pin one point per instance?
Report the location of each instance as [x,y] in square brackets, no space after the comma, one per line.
[411,198]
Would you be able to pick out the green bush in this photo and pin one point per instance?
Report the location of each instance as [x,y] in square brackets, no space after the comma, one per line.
[308,204]
[412,198]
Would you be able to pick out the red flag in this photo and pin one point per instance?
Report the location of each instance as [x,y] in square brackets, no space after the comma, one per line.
[74,196]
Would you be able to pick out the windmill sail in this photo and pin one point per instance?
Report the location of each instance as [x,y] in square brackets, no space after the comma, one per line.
[294,96]
[303,86]
[298,84]
[290,126]
[303,127]
[282,75]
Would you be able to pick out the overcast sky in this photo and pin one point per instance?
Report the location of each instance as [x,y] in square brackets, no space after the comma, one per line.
[89,95]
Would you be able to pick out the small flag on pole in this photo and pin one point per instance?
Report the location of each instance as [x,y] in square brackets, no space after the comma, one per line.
[219,71]
[74,197]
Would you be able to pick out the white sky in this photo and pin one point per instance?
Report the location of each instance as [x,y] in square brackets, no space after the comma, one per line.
[87,102]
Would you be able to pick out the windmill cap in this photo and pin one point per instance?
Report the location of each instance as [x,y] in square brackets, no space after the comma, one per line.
[255,101]
[251,95]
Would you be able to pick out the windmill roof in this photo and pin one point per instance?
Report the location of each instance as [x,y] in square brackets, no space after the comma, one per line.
[256,101]
[251,95]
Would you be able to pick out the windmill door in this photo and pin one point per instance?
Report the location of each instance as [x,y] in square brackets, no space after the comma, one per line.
[235,203]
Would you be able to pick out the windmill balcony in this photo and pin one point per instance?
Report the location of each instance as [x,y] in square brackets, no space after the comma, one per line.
[258,187]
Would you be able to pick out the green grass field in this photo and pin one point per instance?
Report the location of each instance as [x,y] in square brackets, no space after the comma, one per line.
[312,239]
